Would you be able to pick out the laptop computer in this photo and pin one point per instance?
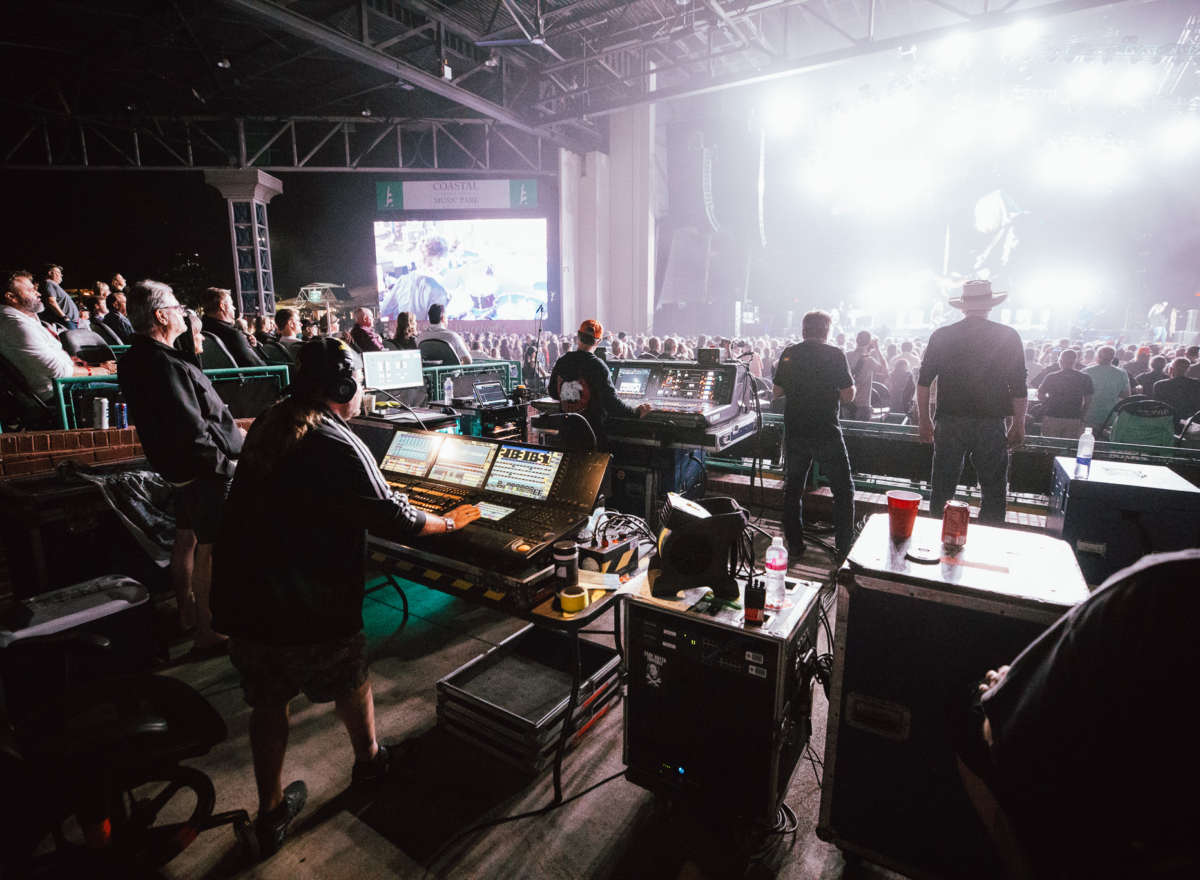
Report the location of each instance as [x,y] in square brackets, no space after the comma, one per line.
[489,394]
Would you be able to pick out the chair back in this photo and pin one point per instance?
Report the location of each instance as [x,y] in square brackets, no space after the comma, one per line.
[573,432]
[215,355]
[1144,421]
[105,332]
[20,408]
[276,353]
[88,346]
[438,353]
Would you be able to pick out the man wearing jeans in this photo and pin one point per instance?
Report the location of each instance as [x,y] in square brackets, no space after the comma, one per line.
[815,379]
[979,366]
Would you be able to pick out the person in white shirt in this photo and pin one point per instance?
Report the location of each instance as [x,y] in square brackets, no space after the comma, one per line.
[29,346]
[439,330]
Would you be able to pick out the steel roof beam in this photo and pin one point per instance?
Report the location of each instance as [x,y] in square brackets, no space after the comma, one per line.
[351,49]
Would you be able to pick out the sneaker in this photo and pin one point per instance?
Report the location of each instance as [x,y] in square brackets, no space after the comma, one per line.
[368,772]
[271,828]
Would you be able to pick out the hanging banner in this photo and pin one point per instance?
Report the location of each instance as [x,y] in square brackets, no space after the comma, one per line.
[455,195]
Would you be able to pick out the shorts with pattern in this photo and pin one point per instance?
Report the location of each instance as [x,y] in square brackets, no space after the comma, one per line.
[274,674]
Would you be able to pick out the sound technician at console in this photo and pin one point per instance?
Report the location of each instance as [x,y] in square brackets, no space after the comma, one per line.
[289,565]
[582,384]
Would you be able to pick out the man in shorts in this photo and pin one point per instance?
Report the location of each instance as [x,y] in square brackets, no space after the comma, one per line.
[189,437]
[291,602]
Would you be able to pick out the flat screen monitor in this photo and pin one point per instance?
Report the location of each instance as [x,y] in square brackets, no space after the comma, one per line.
[528,473]
[463,462]
[490,394]
[411,453]
[479,269]
[391,370]
[632,381]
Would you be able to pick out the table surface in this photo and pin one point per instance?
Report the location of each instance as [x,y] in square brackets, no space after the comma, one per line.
[995,563]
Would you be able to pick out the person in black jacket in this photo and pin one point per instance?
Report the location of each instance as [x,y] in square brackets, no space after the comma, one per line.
[188,436]
[581,383]
[293,605]
[115,319]
[218,320]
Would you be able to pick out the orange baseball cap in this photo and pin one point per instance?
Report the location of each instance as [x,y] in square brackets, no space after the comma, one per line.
[592,328]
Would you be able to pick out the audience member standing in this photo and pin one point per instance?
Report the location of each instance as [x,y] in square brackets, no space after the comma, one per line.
[815,379]
[866,362]
[1066,395]
[188,436]
[60,308]
[29,346]
[1110,385]
[1143,383]
[219,321]
[979,366]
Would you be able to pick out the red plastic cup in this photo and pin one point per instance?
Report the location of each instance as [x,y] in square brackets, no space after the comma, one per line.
[902,512]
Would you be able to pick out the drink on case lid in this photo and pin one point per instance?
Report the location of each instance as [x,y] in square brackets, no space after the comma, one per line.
[122,413]
[955,518]
[100,413]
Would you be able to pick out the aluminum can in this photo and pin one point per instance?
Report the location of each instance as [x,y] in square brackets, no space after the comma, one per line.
[100,413]
[122,413]
[566,564]
[955,518]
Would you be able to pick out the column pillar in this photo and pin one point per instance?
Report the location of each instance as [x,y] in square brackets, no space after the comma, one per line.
[247,191]
[629,304]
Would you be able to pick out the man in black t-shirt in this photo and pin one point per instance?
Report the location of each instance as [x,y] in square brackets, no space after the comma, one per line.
[581,383]
[292,606]
[815,379]
[1180,392]
[1066,394]
[979,366]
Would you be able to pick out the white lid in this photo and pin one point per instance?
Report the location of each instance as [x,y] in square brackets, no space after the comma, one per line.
[777,541]
[1087,430]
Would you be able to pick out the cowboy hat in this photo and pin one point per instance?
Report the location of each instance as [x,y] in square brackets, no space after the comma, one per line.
[978,295]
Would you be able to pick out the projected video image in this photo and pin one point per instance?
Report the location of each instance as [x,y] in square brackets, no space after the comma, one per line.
[478,269]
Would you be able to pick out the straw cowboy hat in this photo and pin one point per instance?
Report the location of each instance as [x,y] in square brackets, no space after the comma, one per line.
[978,295]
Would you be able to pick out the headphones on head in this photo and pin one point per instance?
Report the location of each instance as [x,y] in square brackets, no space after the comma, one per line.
[326,369]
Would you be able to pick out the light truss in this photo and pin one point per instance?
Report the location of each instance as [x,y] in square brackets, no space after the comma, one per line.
[690,57]
[275,144]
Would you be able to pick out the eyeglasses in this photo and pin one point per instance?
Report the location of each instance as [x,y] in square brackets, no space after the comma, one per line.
[165,308]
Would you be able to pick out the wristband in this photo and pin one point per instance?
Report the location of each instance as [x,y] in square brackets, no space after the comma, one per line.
[89,369]
[449,523]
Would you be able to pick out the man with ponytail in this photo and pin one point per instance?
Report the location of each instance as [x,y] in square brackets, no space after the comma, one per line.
[289,570]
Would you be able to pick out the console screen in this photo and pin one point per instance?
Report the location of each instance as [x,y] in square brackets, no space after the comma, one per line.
[411,453]
[691,384]
[463,462]
[632,381]
[487,510]
[528,473]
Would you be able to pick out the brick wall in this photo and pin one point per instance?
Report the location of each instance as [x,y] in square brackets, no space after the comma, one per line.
[41,452]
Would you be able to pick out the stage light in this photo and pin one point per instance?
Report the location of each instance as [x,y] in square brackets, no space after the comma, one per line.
[1085,83]
[1084,165]
[953,51]
[1008,122]
[1181,137]
[1021,36]
[1133,83]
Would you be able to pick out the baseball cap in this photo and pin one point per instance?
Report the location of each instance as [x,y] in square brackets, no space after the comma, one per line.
[592,328]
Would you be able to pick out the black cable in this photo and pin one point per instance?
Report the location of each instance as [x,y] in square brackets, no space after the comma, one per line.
[808,753]
[786,821]
[541,811]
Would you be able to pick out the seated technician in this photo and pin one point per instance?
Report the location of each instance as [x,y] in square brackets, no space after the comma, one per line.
[291,601]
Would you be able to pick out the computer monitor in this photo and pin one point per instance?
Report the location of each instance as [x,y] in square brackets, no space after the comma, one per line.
[490,394]
[411,453]
[391,370]
[632,381]
[463,461]
[528,473]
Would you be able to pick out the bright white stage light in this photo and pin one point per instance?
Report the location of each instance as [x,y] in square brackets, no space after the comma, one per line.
[1084,83]
[1021,36]
[1062,288]
[960,128]
[953,51]
[1133,83]
[784,113]
[1181,137]
[1084,165]
[1008,122]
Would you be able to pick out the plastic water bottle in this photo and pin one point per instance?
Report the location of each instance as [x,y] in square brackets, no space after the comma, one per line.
[448,390]
[1083,455]
[777,564]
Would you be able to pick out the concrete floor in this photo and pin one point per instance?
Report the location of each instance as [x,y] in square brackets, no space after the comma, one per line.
[419,824]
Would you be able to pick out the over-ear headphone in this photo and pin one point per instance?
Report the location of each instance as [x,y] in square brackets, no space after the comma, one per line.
[326,369]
